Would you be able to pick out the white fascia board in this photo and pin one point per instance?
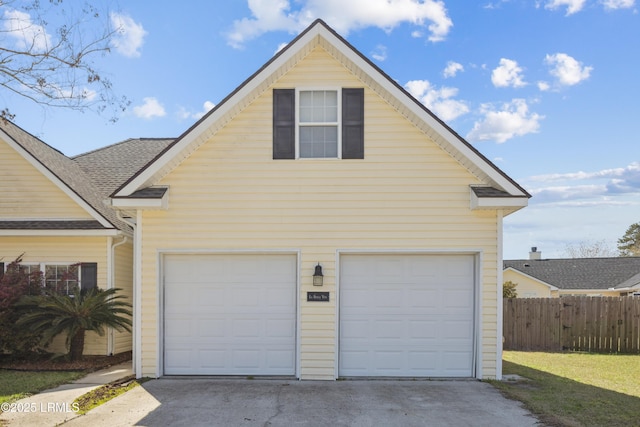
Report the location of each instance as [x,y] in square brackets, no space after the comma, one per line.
[442,130]
[517,202]
[60,233]
[126,203]
[147,177]
[551,287]
[55,180]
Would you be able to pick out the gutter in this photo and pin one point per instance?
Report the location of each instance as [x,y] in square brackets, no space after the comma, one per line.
[137,292]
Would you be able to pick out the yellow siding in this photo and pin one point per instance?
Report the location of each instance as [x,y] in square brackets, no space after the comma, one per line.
[27,193]
[406,194]
[62,250]
[531,288]
[528,287]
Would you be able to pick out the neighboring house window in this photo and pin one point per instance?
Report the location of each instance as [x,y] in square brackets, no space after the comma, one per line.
[318,123]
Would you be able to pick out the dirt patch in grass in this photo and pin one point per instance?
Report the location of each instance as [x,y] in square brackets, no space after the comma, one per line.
[104,393]
[50,363]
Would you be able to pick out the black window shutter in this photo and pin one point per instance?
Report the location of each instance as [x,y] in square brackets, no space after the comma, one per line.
[88,275]
[284,123]
[353,123]
[1,269]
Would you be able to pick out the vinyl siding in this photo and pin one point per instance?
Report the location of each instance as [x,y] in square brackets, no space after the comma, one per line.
[407,194]
[28,194]
[63,250]
[528,287]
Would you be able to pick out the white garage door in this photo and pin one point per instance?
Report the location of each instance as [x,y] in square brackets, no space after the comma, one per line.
[229,314]
[406,315]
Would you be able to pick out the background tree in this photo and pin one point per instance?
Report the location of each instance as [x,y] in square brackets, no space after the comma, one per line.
[509,289]
[47,52]
[585,249]
[74,314]
[15,283]
[629,244]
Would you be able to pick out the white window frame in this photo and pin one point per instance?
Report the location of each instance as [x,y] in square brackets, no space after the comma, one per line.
[338,124]
[78,279]
[42,266]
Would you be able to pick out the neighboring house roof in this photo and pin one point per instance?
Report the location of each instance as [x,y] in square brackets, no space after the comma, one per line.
[581,273]
[85,179]
[498,190]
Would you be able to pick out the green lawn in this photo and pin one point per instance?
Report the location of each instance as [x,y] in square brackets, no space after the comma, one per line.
[15,385]
[576,389]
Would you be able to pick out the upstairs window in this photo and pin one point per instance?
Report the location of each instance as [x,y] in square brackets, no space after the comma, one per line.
[318,123]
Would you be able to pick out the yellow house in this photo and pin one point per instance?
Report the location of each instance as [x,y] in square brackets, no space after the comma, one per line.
[318,223]
[52,211]
[537,277]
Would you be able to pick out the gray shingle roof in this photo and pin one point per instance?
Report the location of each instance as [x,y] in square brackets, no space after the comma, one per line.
[581,273]
[50,225]
[110,166]
[92,176]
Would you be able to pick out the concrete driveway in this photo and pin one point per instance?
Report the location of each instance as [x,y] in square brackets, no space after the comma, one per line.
[235,402]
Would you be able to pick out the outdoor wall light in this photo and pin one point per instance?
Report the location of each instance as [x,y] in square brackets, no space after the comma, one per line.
[317,276]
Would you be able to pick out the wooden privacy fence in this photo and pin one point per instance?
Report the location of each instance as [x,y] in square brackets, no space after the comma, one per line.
[592,324]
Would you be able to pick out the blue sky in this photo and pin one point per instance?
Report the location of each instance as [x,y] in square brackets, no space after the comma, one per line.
[548,89]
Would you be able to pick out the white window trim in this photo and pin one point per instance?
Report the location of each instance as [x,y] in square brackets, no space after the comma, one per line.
[338,90]
[42,266]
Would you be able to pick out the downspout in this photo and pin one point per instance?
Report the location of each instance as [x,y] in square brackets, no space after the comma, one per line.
[137,294]
[111,284]
[500,306]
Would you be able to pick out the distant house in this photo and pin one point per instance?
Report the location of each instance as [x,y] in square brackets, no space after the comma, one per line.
[551,278]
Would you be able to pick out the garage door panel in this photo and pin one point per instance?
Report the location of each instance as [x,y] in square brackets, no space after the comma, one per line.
[235,315]
[408,319]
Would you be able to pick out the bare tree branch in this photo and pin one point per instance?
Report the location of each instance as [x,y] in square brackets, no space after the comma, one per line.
[47,52]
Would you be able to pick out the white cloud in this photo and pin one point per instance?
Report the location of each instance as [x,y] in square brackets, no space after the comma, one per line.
[25,33]
[452,69]
[343,16]
[380,54]
[183,113]
[507,74]
[567,70]
[544,86]
[512,119]
[150,109]
[588,187]
[573,6]
[580,175]
[206,107]
[129,36]
[618,4]
[439,101]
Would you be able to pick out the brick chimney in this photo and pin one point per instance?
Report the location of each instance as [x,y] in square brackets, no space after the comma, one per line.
[534,254]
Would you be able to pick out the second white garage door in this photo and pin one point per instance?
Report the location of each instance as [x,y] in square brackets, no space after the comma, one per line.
[407,315]
[229,314]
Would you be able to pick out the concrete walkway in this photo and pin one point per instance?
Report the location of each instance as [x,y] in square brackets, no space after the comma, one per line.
[53,407]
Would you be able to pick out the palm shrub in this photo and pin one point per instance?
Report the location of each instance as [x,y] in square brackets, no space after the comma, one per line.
[74,314]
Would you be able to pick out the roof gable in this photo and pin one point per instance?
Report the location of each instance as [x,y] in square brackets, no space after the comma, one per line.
[320,34]
[581,273]
[62,172]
